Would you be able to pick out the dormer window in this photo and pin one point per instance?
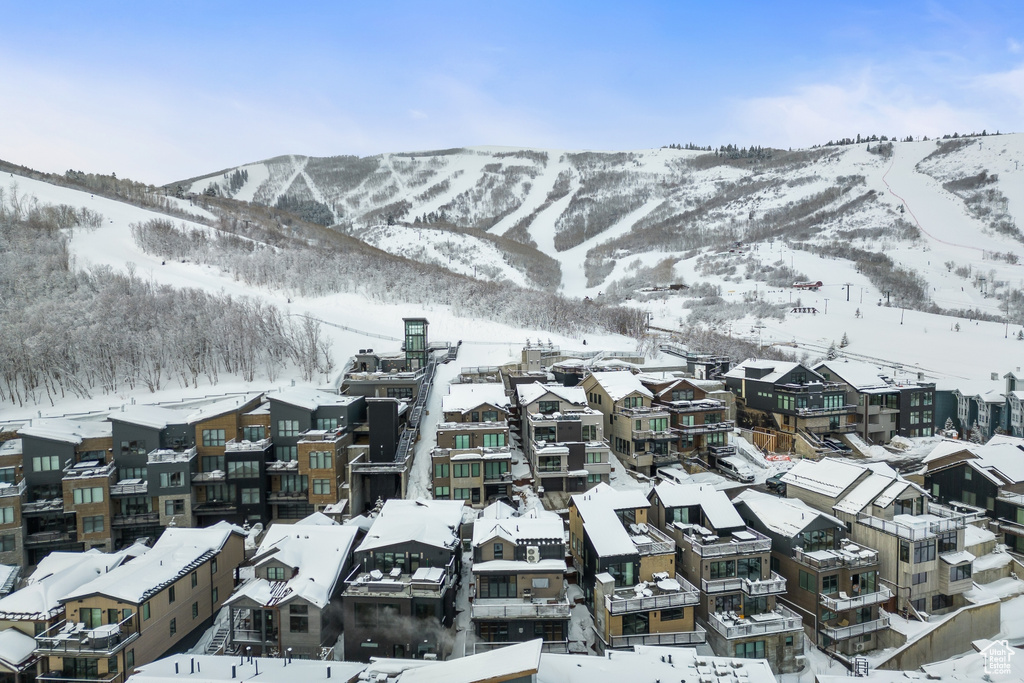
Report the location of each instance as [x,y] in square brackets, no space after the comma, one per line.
[275,573]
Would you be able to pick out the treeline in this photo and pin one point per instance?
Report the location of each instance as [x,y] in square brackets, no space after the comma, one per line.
[312,268]
[82,333]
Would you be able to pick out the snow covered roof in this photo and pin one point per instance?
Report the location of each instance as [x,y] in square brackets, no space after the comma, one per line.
[311,399]
[317,519]
[647,663]
[1001,459]
[957,558]
[16,648]
[154,417]
[11,447]
[498,510]
[828,476]
[433,522]
[620,383]
[506,566]
[519,529]
[221,407]
[784,516]
[777,369]
[512,662]
[178,551]
[717,507]
[857,374]
[465,397]
[218,668]
[318,550]
[597,508]
[528,393]
[67,431]
[56,575]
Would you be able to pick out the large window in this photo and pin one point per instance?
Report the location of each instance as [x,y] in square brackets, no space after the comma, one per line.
[213,437]
[171,479]
[489,416]
[174,507]
[622,573]
[807,581]
[250,496]
[682,394]
[635,624]
[494,440]
[462,494]
[92,524]
[659,424]
[959,573]
[462,470]
[830,584]
[298,618]
[442,492]
[750,650]
[547,407]
[924,551]
[243,469]
[93,494]
[327,423]
[322,487]
[462,441]
[399,392]
[947,542]
[441,470]
[287,427]
[723,569]
[211,463]
[7,475]
[254,432]
[134,447]
[749,568]
[819,539]
[287,453]
[498,586]
[494,469]
[45,463]
[321,460]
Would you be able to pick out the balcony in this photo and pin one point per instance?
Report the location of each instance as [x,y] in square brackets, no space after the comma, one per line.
[88,469]
[427,582]
[135,519]
[43,506]
[714,427]
[46,537]
[130,487]
[849,554]
[845,602]
[653,435]
[167,455]
[68,639]
[212,507]
[706,405]
[287,496]
[242,446]
[677,638]
[61,677]
[731,626]
[847,632]
[10,490]
[969,513]
[773,585]
[520,608]
[925,526]
[845,409]
[747,542]
[662,595]
[649,540]
[713,586]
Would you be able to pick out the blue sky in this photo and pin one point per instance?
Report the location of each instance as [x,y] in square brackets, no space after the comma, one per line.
[164,91]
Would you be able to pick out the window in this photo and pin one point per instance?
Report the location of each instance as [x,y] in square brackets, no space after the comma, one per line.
[298,618]
[195,610]
[195,579]
[134,447]
[441,470]
[327,424]
[244,469]
[442,492]
[399,392]
[92,525]
[750,650]
[210,463]
[829,584]
[672,614]
[590,432]
[321,460]
[494,440]
[112,664]
[959,573]
[728,603]
[254,432]
[7,475]
[947,542]
[635,624]
[170,595]
[250,496]
[287,427]
[622,573]
[213,437]
[322,487]
[659,424]
[460,470]
[7,515]
[915,399]
[594,457]
[547,407]
[475,469]
[7,542]
[462,441]
[93,494]
[820,539]
[687,420]
[924,551]
[489,416]
[213,594]
[462,494]
[968,473]
[145,611]
[723,569]
[45,463]
[941,601]
[174,626]
[755,605]
[807,581]
[170,480]
[919,578]
[129,659]
[174,507]
[275,573]
[682,394]
[499,551]
[213,566]
[287,453]
[494,469]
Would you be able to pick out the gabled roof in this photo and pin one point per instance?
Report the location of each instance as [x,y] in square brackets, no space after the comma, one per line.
[621,383]
[178,551]
[465,397]
[67,431]
[519,529]
[857,374]
[1001,460]
[513,662]
[431,522]
[221,407]
[784,516]
[828,476]
[777,369]
[597,508]
[318,551]
[718,509]
[16,648]
[528,393]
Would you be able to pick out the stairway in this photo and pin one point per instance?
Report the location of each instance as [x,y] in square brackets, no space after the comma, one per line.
[216,645]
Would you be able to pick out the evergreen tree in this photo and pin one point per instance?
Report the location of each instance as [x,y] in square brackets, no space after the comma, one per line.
[844,342]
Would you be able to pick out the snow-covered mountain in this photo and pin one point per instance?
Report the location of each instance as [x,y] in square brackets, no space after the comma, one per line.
[901,215]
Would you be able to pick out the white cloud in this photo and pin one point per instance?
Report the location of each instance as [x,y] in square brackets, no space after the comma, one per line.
[1014,46]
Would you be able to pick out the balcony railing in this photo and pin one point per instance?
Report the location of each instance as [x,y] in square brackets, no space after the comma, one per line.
[216,476]
[850,555]
[713,586]
[651,434]
[129,487]
[677,638]
[719,547]
[845,602]
[245,635]
[61,677]
[724,426]
[731,626]
[771,586]
[41,537]
[968,513]
[520,608]
[286,496]
[214,507]
[8,490]
[811,412]
[847,632]
[49,505]
[659,543]
[167,455]
[912,533]
[70,639]
[135,519]
[622,602]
